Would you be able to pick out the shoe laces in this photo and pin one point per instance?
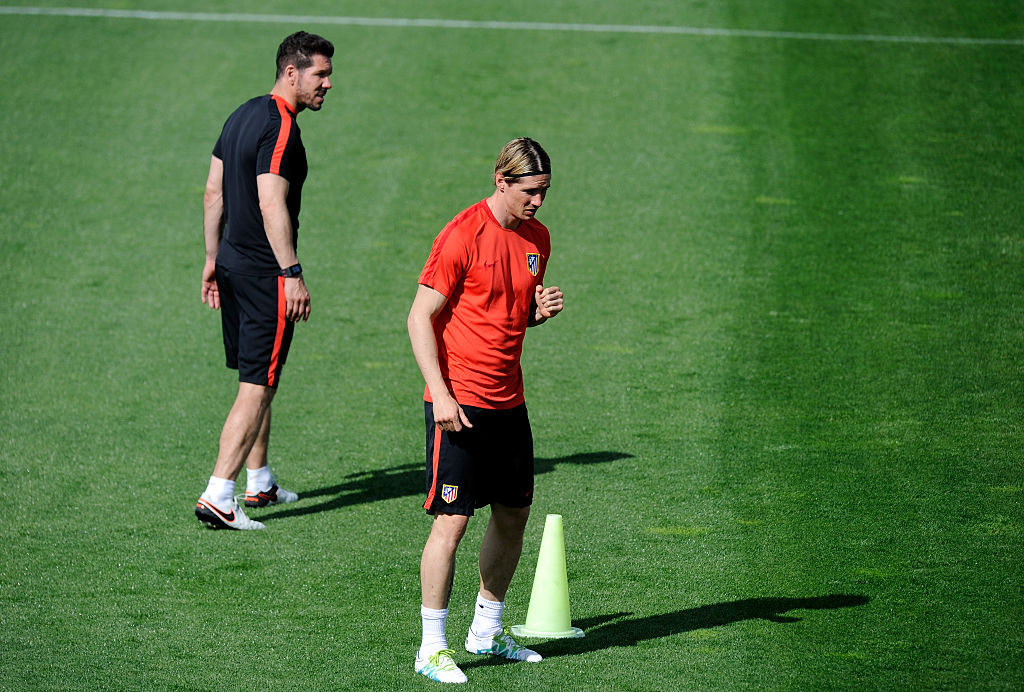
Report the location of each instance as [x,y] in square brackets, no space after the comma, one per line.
[449,662]
[505,638]
[237,506]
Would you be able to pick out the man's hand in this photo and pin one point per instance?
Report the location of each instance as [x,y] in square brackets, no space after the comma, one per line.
[549,302]
[209,294]
[448,415]
[296,297]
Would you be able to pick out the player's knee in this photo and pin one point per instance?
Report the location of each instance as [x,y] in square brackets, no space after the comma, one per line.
[510,520]
[449,529]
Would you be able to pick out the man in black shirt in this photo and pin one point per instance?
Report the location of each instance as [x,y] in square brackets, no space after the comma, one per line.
[252,272]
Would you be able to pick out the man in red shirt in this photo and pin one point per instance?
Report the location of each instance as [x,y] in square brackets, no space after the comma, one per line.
[481,287]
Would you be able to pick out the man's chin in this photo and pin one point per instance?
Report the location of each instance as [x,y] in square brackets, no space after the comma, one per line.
[316,103]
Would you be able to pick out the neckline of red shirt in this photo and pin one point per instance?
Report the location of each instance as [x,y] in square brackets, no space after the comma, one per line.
[495,219]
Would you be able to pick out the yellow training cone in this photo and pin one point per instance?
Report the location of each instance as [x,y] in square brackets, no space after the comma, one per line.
[548,615]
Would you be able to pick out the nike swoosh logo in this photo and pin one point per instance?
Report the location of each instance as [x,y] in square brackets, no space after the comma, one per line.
[226,517]
[490,264]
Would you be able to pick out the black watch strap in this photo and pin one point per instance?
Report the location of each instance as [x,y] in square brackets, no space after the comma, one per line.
[291,271]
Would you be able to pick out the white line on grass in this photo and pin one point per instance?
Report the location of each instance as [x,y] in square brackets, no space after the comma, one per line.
[518,26]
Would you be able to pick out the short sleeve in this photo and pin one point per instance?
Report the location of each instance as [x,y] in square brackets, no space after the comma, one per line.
[448,261]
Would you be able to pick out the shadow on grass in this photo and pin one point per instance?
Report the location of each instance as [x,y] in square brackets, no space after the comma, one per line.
[605,632]
[404,481]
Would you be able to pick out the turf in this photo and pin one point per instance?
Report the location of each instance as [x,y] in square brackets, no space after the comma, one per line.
[781,415]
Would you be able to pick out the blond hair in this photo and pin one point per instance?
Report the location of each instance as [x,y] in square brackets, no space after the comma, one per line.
[522,157]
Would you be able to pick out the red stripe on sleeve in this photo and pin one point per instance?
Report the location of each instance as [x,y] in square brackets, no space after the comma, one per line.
[282,136]
[282,304]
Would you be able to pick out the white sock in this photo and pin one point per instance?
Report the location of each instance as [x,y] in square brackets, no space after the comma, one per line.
[258,480]
[487,617]
[220,491]
[433,631]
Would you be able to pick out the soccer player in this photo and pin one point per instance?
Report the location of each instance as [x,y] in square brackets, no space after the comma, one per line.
[252,272]
[481,287]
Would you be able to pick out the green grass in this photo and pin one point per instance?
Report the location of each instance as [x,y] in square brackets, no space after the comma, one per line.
[781,414]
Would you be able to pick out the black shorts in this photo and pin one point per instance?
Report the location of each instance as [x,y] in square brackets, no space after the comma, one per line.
[256,334]
[490,462]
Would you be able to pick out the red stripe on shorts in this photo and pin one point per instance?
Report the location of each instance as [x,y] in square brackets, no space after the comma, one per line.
[282,304]
[436,456]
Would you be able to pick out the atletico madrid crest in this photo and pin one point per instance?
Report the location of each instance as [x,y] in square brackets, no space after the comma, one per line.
[449,493]
[533,262]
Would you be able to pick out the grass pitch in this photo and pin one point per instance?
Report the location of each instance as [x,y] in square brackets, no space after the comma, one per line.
[781,413]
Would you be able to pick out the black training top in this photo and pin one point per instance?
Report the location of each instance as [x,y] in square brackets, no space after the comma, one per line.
[260,137]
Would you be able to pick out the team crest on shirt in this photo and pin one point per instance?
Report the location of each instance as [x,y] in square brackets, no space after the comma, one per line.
[449,493]
[533,262]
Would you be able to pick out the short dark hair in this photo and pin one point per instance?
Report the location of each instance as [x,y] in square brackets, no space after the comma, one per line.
[299,49]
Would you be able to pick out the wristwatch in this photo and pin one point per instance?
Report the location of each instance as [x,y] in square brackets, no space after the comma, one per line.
[292,271]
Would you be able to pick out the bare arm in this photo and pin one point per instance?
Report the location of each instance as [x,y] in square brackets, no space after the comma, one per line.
[213,228]
[273,194]
[425,306]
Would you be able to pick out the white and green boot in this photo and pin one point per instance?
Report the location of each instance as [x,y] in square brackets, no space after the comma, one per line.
[501,645]
[440,666]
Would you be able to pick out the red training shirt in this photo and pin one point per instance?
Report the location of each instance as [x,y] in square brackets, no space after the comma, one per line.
[489,275]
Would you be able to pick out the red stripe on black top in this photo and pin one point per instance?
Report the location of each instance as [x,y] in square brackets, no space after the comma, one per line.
[282,135]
